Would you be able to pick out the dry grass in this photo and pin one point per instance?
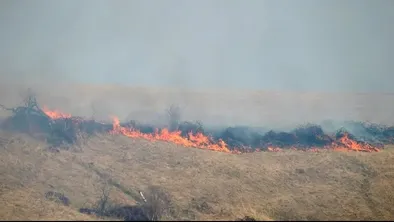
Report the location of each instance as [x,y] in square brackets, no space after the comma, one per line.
[202,184]
[28,204]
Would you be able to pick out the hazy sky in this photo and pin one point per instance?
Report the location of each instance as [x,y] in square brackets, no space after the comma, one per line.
[321,45]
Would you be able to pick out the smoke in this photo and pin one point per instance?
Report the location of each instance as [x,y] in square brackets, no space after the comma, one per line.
[225,45]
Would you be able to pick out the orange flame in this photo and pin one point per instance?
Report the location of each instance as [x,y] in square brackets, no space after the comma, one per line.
[274,149]
[197,140]
[347,143]
[55,114]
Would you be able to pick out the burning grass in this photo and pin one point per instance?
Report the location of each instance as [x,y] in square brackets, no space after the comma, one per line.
[58,128]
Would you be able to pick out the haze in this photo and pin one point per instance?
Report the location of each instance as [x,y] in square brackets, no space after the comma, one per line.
[270,45]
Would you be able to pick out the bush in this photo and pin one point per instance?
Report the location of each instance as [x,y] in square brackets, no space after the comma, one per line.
[57,197]
[158,204]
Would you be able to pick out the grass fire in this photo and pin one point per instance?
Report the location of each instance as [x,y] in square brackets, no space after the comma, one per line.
[60,128]
[174,110]
[58,165]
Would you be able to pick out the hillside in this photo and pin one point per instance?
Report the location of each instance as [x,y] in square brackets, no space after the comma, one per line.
[189,183]
[202,184]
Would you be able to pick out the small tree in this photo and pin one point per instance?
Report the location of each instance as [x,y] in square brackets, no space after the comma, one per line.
[103,205]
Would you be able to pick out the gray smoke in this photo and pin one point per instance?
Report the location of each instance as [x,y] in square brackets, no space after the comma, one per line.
[281,45]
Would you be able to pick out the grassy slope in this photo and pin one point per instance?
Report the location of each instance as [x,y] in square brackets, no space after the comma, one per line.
[203,184]
[27,204]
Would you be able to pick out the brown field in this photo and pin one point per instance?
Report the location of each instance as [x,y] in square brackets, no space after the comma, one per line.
[202,184]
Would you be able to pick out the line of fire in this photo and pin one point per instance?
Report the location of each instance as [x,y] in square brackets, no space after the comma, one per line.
[58,129]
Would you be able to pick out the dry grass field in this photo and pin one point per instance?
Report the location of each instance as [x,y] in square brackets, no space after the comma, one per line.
[201,184]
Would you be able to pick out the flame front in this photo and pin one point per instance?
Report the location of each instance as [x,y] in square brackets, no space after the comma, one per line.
[197,140]
[55,114]
[346,143]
